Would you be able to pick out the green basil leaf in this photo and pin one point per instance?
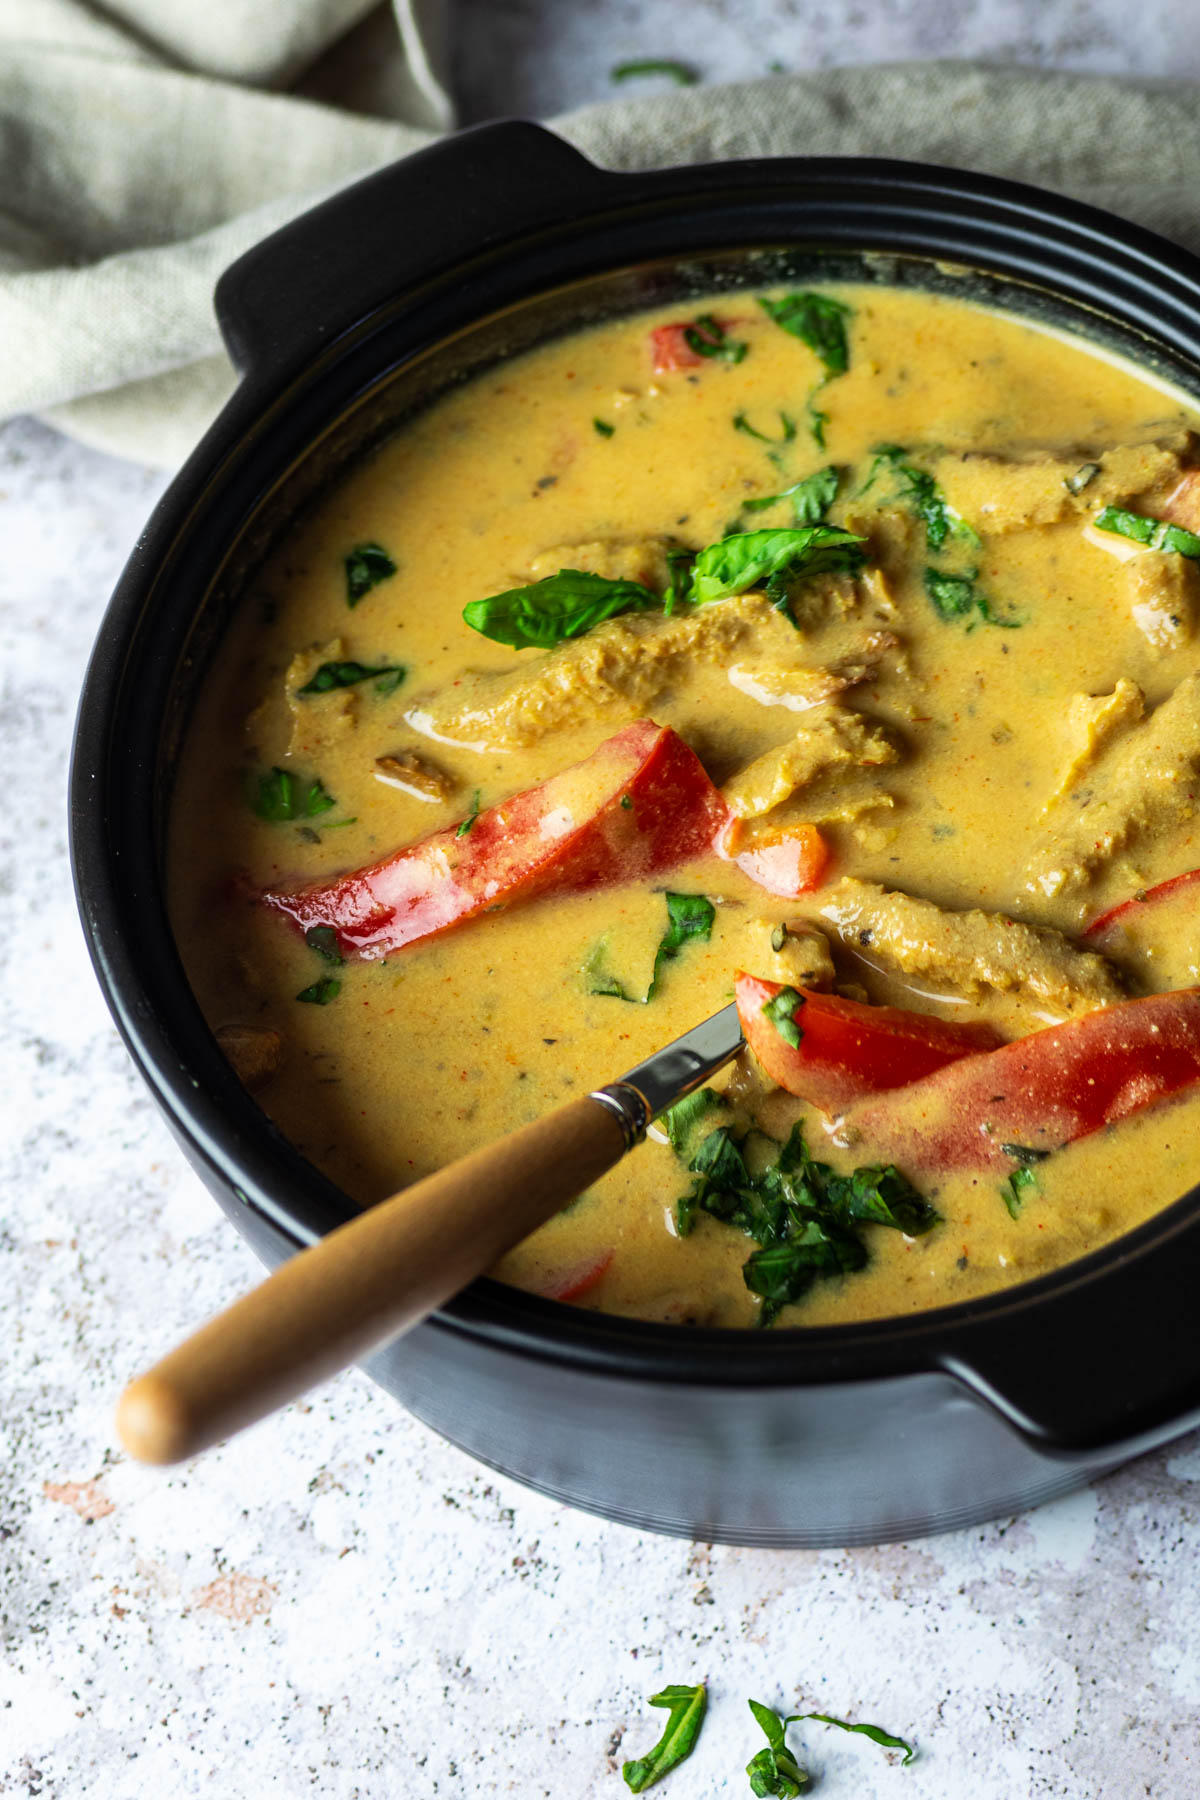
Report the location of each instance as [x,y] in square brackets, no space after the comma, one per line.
[685,1716]
[957,597]
[600,981]
[774,1772]
[880,1195]
[1155,534]
[706,336]
[787,431]
[781,1010]
[655,65]
[321,992]
[1013,1190]
[817,419]
[283,794]
[602,428]
[777,1773]
[683,1119]
[817,320]
[333,675]
[752,558]
[680,564]
[471,817]
[559,607]
[953,596]
[810,498]
[688,916]
[770,1721]
[917,491]
[876,1734]
[366,566]
[720,1161]
[803,1214]
[324,940]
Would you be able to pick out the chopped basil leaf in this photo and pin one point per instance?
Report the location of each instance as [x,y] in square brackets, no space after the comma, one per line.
[559,607]
[805,1217]
[1015,1188]
[600,981]
[603,428]
[282,794]
[706,336]
[679,565]
[877,1194]
[321,992]
[818,321]
[1083,477]
[332,675]
[876,1733]
[810,498]
[722,1187]
[682,1119]
[324,940]
[655,65]
[953,596]
[366,566]
[917,490]
[781,1010]
[626,802]
[688,916]
[685,1716]
[775,1771]
[1155,534]
[747,559]
[817,419]
[782,1273]
[471,816]
[787,434]
[957,597]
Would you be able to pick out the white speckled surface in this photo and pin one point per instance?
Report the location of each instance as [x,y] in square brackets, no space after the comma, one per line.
[339,1604]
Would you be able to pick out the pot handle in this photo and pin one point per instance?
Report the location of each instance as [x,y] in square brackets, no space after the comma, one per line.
[325,271]
[1112,1362]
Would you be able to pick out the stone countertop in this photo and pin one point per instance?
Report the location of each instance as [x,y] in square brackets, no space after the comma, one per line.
[339,1603]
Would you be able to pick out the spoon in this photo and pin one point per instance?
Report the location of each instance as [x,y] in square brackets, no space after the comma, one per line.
[383,1272]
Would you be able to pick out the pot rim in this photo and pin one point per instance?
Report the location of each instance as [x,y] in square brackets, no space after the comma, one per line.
[1004,228]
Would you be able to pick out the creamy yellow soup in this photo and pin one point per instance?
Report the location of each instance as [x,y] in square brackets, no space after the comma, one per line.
[989,720]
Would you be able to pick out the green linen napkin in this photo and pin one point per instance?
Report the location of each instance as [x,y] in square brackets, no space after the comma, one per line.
[140,154]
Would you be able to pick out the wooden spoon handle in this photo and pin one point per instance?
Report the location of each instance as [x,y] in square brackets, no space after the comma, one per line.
[366,1282]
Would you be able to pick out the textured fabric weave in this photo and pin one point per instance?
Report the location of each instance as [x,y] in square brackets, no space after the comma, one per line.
[144,145]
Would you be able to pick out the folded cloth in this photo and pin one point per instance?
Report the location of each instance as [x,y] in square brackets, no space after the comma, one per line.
[142,149]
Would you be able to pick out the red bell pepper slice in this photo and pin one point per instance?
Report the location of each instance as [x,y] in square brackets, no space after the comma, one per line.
[670,350]
[1136,908]
[572,1283]
[1155,935]
[640,804]
[1039,1093]
[848,1050]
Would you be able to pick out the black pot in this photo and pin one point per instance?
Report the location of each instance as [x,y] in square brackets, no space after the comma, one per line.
[342,324]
